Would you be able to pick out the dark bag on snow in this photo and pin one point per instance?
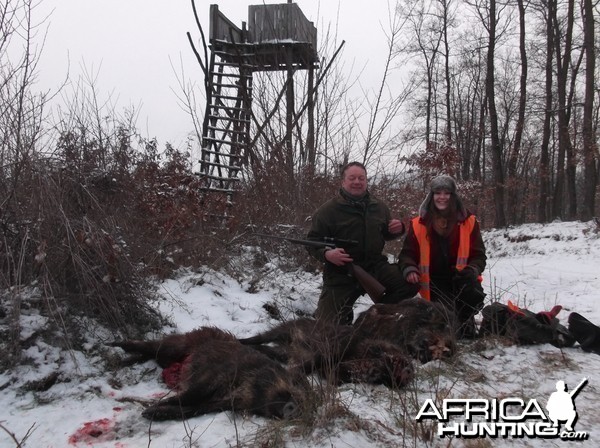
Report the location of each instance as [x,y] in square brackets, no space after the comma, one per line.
[524,326]
[585,332]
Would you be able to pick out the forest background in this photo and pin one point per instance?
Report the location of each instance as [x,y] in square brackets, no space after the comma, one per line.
[502,95]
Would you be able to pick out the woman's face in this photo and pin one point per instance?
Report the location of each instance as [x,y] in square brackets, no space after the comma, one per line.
[441,199]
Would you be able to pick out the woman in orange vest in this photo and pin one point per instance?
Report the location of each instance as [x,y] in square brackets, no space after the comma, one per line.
[443,254]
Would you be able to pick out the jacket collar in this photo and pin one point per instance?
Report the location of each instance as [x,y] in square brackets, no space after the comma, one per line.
[354,200]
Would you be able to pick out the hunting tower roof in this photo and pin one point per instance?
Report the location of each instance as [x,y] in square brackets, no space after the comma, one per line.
[277,37]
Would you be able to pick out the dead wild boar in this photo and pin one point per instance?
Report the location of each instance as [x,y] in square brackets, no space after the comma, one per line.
[425,329]
[218,374]
[334,352]
[173,348]
[304,342]
[375,362]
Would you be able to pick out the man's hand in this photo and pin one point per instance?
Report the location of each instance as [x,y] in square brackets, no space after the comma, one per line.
[338,256]
[396,227]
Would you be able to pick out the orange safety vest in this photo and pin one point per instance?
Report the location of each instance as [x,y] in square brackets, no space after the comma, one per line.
[464,247]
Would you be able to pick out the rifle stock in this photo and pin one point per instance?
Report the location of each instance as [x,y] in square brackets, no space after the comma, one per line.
[370,284]
[374,289]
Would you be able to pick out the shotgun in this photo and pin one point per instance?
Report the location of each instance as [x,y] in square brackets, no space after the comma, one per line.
[370,284]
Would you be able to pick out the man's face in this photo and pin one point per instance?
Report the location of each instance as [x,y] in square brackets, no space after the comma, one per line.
[355,181]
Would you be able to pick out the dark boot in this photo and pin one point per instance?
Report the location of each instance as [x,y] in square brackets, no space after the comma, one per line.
[467,329]
[585,332]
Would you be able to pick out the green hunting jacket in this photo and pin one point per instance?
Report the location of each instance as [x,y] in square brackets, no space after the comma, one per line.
[364,221]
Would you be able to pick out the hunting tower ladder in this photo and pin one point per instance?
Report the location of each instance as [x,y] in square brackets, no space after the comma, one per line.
[278,37]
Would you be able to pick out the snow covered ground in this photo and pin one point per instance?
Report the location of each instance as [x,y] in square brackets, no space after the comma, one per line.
[90,404]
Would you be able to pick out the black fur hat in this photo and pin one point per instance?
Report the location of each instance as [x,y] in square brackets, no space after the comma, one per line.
[443,182]
[439,183]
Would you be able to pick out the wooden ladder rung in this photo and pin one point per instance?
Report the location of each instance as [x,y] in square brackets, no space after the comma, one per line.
[221,179]
[210,151]
[219,106]
[226,142]
[233,86]
[227,97]
[221,165]
[228,131]
[237,120]
[219,190]
[230,75]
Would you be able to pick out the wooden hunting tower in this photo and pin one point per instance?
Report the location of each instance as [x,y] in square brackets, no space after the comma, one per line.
[278,37]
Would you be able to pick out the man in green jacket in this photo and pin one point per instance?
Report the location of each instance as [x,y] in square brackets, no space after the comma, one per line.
[354,215]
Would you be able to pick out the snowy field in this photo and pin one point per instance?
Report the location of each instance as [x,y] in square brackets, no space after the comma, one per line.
[90,404]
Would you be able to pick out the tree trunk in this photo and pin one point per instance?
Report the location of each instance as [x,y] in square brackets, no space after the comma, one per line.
[516,149]
[310,137]
[445,9]
[289,119]
[544,150]
[479,164]
[564,139]
[500,220]
[589,144]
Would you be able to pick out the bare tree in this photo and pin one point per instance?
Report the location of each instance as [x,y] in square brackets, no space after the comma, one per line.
[544,189]
[426,34]
[563,61]
[513,182]
[384,110]
[468,103]
[590,147]
[21,108]
[447,17]
[490,15]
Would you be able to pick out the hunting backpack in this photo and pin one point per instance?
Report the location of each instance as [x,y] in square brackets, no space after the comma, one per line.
[524,326]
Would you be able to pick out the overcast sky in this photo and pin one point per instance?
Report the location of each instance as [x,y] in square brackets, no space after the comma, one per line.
[133,45]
